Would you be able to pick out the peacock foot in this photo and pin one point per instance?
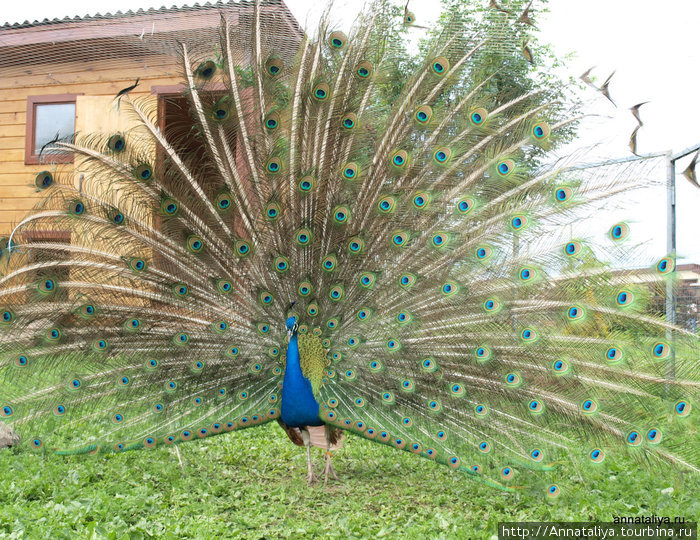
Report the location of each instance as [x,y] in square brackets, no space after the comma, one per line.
[328,469]
[311,478]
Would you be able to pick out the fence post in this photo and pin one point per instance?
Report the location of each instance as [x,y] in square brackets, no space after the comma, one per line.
[671,250]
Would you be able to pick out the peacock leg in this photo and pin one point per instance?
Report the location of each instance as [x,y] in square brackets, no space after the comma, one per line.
[310,477]
[329,466]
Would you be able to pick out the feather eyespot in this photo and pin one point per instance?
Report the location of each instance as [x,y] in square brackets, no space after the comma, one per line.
[535,406]
[367,280]
[393,345]
[386,204]
[478,116]
[273,67]
[341,215]
[682,408]
[575,313]
[242,248]
[482,353]
[513,379]
[483,253]
[170,207]
[661,350]
[304,288]
[321,92]
[53,334]
[21,360]
[434,406]
[589,406]
[8,317]
[364,314]
[633,438]
[77,208]
[221,110]
[665,265]
[337,40]
[492,305]
[421,200]
[266,298]
[404,317]
[619,231]
[440,65]
[653,436]
[465,205]
[206,70]
[281,264]
[563,194]
[356,245]
[350,171]
[540,131]
[303,237]
[596,455]
[349,121]
[307,183]
[423,114]
[572,248]
[440,240]
[442,155]
[116,143]
[274,165]
[364,70]
[272,121]
[43,180]
[429,365]
[138,265]
[560,367]
[505,168]
[336,293]
[46,286]
[399,159]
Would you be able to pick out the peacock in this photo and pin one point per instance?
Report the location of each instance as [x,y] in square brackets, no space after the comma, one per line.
[347,239]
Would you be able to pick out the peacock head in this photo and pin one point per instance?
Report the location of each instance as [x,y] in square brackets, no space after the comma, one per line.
[292,326]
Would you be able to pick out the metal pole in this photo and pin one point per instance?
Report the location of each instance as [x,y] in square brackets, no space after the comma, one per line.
[671,250]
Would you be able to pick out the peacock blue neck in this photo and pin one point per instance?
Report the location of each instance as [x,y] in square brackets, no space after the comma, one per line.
[299,406]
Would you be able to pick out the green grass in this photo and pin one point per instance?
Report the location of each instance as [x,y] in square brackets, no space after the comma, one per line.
[251,484]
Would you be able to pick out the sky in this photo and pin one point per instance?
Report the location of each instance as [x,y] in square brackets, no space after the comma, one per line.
[651,45]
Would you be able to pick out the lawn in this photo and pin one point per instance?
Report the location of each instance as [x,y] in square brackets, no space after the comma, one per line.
[251,484]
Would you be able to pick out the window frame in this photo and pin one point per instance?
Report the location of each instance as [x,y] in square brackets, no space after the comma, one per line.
[31,156]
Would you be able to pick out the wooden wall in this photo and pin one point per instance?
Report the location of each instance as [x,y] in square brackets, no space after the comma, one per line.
[17,192]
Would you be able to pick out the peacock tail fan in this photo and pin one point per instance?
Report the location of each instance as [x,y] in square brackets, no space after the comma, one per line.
[411,209]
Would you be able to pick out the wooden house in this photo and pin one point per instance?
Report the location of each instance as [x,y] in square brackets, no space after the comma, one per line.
[62,76]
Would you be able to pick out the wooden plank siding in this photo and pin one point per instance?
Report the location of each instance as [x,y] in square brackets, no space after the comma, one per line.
[18,194]
[96,57]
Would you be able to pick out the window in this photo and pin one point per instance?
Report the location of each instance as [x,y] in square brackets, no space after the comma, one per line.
[48,117]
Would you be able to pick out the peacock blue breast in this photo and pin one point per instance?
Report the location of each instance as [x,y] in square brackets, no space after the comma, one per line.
[299,407]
